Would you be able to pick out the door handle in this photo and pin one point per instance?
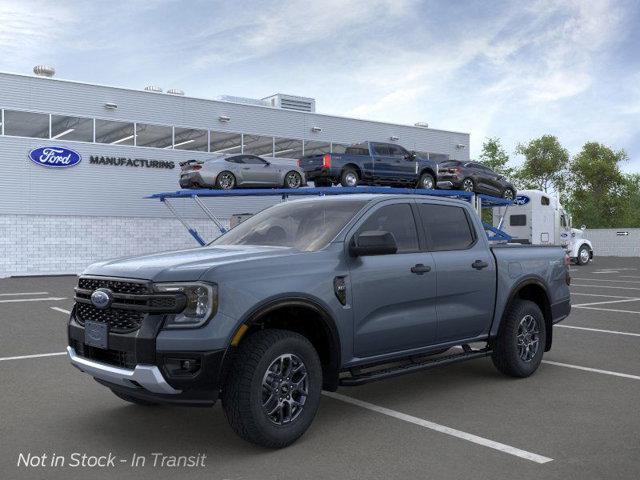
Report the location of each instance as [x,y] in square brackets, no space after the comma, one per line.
[419,269]
[479,264]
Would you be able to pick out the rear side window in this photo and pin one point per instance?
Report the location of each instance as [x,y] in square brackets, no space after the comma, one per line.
[381,149]
[517,220]
[235,160]
[359,149]
[447,227]
[398,220]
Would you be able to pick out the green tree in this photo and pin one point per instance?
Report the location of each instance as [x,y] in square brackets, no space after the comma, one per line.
[631,198]
[599,193]
[495,157]
[545,164]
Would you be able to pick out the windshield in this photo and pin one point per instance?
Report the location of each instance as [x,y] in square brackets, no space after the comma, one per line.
[306,226]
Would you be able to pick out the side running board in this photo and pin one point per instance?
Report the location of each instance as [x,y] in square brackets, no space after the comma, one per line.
[357,377]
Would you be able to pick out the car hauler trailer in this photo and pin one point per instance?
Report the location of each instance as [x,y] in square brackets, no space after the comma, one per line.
[538,218]
[478,201]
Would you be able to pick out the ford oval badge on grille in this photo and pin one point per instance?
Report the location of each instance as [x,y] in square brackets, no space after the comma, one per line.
[56,157]
[102,298]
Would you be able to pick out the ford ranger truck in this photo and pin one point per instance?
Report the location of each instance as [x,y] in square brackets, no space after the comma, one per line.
[315,294]
[371,163]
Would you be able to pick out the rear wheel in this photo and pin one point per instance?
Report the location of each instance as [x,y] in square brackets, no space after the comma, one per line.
[468,185]
[508,194]
[426,181]
[225,181]
[520,344]
[292,179]
[272,393]
[130,399]
[349,178]
[584,255]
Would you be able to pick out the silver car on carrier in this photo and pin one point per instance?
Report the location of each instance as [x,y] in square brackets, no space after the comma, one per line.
[241,170]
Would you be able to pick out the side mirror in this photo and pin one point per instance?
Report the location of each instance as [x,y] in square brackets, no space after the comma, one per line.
[410,156]
[373,242]
[267,164]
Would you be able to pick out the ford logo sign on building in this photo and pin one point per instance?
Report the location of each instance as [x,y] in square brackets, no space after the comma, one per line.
[56,157]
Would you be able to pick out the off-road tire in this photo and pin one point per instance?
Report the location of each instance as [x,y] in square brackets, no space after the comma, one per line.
[344,177]
[505,354]
[242,391]
[130,399]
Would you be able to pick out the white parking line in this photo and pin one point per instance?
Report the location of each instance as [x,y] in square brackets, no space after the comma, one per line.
[441,428]
[61,310]
[599,330]
[607,309]
[22,293]
[607,286]
[16,300]
[598,295]
[604,280]
[607,301]
[22,357]
[595,370]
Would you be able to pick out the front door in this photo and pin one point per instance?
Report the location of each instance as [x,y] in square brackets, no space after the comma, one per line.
[257,171]
[465,272]
[393,295]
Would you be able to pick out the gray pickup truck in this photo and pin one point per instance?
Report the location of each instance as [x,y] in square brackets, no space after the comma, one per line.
[313,294]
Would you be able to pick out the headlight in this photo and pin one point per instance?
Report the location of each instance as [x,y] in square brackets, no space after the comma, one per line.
[201,303]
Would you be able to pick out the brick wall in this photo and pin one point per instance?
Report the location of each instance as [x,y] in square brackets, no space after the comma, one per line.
[41,245]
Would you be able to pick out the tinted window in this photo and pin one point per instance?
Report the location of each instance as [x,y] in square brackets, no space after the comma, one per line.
[398,220]
[447,227]
[544,200]
[381,149]
[397,151]
[235,159]
[450,163]
[250,159]
[517,220]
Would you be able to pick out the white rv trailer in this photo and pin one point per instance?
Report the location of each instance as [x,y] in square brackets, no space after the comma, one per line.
[537,218]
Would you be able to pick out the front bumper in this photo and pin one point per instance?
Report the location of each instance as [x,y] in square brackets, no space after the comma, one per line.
[148,377]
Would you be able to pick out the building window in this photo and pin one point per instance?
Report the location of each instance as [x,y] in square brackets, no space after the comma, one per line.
[157,136]
[26,124]
[312,147]
[114,133]
[338,147]
[287,148]
[224,142]
[190,139]
[72,128]
[258,145]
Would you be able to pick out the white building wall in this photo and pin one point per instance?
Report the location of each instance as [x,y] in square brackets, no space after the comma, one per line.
[54,244]
[612,242]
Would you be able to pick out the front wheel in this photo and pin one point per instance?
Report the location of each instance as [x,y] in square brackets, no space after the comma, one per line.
[273,391]
[518,350]
[583,255]
[292,180]
[427,181]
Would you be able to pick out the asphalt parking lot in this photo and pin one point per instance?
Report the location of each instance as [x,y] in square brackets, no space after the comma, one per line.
[577,417]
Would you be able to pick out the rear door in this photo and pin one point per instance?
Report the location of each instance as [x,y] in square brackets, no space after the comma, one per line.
[465,271]
[394,307]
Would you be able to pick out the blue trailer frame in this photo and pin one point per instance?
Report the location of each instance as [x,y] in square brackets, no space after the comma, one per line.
[479,201]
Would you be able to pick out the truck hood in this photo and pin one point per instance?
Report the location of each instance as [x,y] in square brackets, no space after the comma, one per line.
[183,265]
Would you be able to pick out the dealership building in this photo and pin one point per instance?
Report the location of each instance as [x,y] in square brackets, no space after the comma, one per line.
[128,144]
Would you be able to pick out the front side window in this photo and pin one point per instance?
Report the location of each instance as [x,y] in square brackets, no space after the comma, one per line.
[447,227]
[253,160]
[396,151]
[304,225]
[398,220]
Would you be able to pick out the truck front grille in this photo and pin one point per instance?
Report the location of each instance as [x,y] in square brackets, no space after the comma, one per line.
[119,320]
[133,300]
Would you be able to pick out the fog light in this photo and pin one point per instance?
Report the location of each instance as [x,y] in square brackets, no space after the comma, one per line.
[180,367]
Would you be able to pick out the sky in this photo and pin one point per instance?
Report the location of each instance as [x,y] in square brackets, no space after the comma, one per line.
[514,70]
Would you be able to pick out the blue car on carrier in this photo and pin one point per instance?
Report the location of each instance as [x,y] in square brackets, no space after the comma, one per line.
[371,163]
